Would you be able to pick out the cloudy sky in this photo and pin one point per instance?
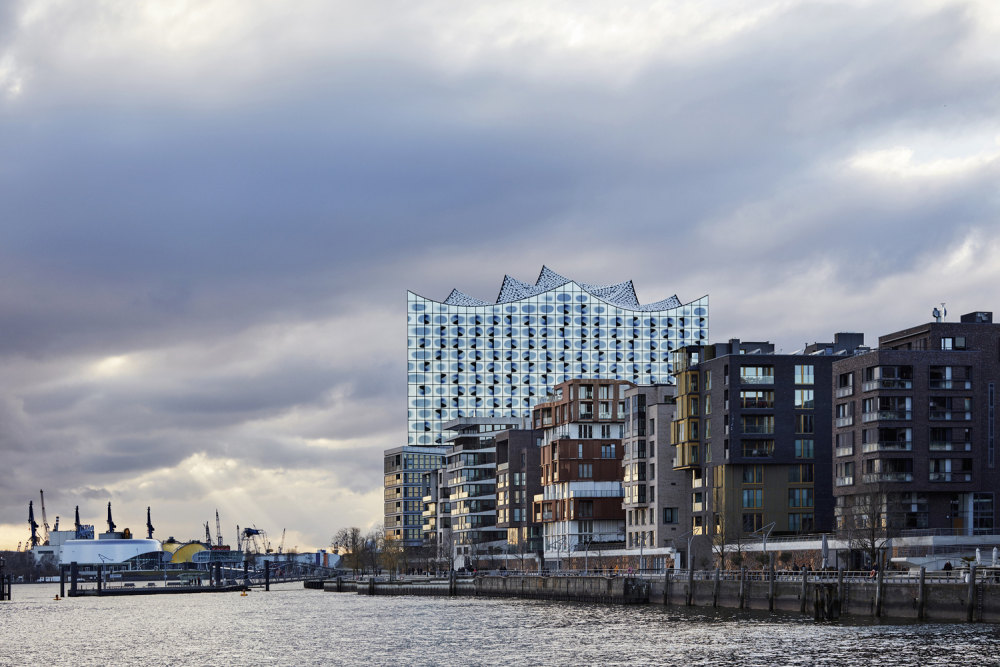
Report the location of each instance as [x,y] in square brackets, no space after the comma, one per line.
[210,212]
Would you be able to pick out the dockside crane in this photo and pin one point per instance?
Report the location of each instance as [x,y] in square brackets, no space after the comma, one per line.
[239,538]
[45,521]
[149,525]
[111,524]
[281,547]
[32,525]
[218,528]
[208,536]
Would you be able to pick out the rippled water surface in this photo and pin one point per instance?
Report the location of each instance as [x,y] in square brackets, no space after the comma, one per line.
[293,626]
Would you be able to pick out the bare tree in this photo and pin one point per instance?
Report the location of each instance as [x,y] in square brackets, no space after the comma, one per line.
[869,520]
[350,544]
[727,543]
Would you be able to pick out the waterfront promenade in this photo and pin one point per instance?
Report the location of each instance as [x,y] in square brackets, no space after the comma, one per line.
[823,595]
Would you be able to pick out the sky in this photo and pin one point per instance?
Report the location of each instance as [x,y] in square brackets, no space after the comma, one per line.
[210,213]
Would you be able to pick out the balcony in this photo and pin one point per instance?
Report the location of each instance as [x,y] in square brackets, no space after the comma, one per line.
[886,415]
[875,478]
[942,446]
[759,429]
[950,477]
[845,451]
[844,481]
[844,421]
[884,446]
[845,391]
[887,383]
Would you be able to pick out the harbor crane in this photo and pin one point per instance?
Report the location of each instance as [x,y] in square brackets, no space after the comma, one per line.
[33,526]
[111,524]
[149,525]
[281,547]
[77,523]
[45,521]
[208,536]
[218,527]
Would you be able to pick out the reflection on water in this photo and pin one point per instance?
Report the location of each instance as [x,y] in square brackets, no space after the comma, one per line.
[298,627]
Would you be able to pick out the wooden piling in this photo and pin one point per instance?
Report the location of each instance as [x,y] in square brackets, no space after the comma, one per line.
[971,601]
[770,582]
[921,594]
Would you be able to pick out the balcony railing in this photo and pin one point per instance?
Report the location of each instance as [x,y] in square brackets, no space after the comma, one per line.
[844,421]
[881,415]
[950,384]
[874,478]
[950,415]
[943,446]
[887,383]
[845,391]
[845,481]
[758,428]
[951,477]
[886,446]
[756,379]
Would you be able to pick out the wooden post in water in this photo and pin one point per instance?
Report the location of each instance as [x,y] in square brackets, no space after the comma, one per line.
[802,594]
[971,603]
[921,594]
[100,576]
[879,580]
[840,588]
[62,581]
[690,591]
[715,589]
[743,585]
[74,573]
[770,582]
[267,575]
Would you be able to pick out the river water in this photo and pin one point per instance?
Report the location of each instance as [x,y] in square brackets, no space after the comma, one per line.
[293,626]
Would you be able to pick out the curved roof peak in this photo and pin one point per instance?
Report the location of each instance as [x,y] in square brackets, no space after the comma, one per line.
[511,289]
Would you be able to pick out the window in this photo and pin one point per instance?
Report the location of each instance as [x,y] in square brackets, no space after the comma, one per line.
[670,514]
[800,522]
[757,374]
[586,431]
[805,449]
[607,451]
[758,423]
[801,474]
[761,448]
[754,498]
[755,398]
[956,343]
[579,450]
[845,474]
[804,374]
[585,470]
[708,380]
[800,498]
[752,522]
[652,425]
[753,474]
[804,399]
[605,431]
[652,495]
[805,424]
[586,508]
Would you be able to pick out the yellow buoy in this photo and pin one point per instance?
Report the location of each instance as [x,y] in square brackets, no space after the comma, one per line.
[57,598]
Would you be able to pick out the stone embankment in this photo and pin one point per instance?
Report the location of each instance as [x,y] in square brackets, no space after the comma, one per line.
[822,595]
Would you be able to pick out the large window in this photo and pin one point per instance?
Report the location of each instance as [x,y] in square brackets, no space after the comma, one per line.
[805,449]
[586,471]
[800,498]
[756,398]
[753,498]
[805,424]
[804,399]
[758,448]
[670,514]
[757,423]
[757,374]
[804,374]
[753,474]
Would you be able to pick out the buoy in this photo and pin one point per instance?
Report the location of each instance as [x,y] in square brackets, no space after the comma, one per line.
[243,594]
[57,598]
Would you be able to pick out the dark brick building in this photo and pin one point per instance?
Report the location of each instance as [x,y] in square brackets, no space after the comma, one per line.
[915,427]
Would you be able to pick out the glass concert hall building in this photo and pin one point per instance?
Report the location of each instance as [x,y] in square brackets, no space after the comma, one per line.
[470,358]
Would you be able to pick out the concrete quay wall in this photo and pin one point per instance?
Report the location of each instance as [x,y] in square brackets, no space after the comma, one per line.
[615,590]
[831,596]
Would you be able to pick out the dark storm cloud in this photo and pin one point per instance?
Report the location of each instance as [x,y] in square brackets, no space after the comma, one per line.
[240,229]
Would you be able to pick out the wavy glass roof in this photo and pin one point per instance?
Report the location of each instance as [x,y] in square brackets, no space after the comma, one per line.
[512,289]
